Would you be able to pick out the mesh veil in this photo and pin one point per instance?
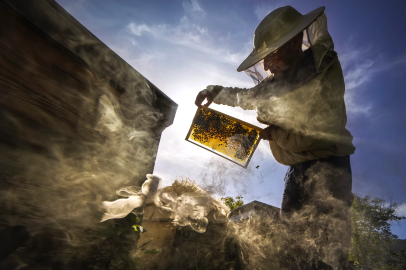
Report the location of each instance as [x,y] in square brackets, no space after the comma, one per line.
[315,36]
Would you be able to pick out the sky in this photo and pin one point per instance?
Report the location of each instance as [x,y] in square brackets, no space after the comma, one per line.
[182,46]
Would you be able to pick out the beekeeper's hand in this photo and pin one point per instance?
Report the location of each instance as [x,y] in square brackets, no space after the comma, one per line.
[265,134]
[204,94]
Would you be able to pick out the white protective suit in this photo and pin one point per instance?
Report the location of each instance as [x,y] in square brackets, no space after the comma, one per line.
[306,112]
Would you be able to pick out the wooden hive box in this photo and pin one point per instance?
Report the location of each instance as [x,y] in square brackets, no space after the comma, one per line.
[76,123]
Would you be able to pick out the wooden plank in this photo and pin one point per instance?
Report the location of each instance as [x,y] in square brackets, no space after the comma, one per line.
[41,81]
[54,161]
[61,27]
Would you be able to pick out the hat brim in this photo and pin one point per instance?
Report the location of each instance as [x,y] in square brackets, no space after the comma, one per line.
[306,20]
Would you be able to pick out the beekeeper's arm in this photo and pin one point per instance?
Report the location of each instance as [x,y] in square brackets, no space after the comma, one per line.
[231,96]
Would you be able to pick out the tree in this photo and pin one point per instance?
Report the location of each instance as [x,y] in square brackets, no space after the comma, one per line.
[371,234]
[231,203]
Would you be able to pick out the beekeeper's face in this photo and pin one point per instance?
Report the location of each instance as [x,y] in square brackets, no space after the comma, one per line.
[281,59]
[276,61]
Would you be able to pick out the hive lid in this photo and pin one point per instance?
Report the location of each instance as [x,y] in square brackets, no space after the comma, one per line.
[224,135]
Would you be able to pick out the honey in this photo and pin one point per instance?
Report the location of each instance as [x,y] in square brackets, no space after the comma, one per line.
[224,135]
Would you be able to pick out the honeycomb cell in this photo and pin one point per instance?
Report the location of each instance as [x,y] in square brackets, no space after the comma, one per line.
[224,135]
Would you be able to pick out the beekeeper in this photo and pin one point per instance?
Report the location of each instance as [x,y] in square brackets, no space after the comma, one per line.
[299,94]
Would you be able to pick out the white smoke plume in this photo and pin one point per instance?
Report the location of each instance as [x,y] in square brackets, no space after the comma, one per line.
[189,204]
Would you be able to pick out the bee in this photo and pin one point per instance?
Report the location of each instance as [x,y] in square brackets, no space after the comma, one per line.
[209,127]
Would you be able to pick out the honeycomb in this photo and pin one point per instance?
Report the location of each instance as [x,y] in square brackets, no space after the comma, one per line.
[224,135]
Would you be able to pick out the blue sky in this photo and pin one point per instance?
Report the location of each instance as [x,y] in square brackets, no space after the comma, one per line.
[184,45]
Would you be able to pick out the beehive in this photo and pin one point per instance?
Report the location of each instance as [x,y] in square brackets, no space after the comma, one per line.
[77,122]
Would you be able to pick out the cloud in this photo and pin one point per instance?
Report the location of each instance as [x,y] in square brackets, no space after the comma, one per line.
[361,67]
[192,7]
[358,69]
[138,29]
[190,35]
[401,210]
[355,77]
[359,74]
[184,33]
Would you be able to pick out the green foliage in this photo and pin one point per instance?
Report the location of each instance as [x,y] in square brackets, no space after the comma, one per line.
[138,228]
[116,245]
[151,251]
[233,204]
[148,251]
[371,233]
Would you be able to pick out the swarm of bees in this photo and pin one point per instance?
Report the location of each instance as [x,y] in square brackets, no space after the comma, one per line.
[223,134]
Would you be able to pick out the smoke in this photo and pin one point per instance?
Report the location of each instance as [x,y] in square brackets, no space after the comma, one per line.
[293,243]
[188,204]
[191,206]
[311,231]
[316,234]
[69,140]
[136,201]
[219,177]
[314,228]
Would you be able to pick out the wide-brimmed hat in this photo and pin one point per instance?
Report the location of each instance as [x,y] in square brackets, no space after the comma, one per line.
[276,29]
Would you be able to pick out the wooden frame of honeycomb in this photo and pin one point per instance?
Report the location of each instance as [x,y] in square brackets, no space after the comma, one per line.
[224,135]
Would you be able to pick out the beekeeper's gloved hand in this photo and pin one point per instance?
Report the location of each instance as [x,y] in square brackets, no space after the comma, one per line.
[265,134]
[204,94]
